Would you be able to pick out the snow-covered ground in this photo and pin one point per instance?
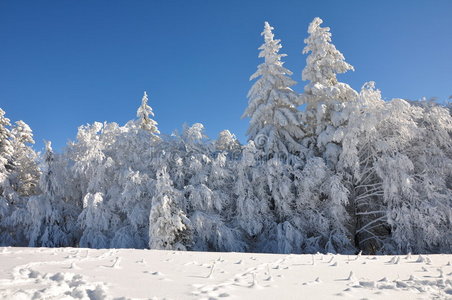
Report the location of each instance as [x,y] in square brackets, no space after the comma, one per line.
[67,273]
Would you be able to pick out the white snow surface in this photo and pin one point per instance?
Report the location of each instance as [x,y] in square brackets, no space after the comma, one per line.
[80,273]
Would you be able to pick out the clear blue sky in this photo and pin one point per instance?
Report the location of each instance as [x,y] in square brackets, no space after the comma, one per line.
[67,63]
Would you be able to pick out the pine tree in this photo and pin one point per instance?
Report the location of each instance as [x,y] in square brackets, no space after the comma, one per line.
[276,132]
[144,114]
[168,226]
[18,180]
[325,98]
[272,105]
[253,213]
[26,172]
[6,152]
[6,149]
[93,169]
[50,222]
[396,162]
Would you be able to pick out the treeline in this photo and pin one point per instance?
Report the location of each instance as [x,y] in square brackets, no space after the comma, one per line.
[347,173]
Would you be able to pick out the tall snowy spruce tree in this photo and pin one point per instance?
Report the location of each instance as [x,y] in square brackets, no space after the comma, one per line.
[327,100]
[274,135]
[272,105]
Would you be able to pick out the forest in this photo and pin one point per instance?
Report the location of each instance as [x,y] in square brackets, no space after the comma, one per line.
[330,170]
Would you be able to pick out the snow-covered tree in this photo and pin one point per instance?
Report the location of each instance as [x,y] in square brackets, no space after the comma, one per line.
[318,219]
[93,172]
[6,149]
[350,172]
[114,163]
[325,97]
[53,218]
[272,104]
[134,200]
[6,152]
[397,158]
[227,141]
[253,213]
[26,175]
[169,228]
[18,179]
[207,199]
[144,114]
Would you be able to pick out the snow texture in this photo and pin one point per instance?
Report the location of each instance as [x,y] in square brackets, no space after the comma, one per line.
[78,273]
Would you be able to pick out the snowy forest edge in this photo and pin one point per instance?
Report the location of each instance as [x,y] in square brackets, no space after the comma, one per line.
[347,173]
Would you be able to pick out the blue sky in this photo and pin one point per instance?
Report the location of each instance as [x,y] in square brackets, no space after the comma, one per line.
[68,63]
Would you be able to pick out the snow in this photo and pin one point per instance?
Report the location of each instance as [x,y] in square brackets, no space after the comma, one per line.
[80,273]
[349,173]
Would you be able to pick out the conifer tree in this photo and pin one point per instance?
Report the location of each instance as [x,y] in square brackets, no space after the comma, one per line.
[50,223]
[26,171]
[272,105]
[168,226]
[325,97]
[6,151]
[144,114]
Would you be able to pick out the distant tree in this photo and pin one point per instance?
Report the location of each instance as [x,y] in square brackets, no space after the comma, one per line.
[227,142]
[144,114]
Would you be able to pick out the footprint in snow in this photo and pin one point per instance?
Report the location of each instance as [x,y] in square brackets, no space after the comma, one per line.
[142,261]
[157,273]
[73,266]
[351,277]
[420,259]
[316,281]
[412,278]
[116,264]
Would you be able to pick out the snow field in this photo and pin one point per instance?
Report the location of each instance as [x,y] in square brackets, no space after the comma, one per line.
[76,273]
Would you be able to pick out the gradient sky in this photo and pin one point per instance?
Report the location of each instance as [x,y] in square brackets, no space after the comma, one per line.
[68,63]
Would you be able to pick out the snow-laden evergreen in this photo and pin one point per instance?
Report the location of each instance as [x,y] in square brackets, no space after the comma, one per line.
[272,106]
[144,114]
[327,100]
[169,227]
[19,176]
[347,173]
[398,160]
